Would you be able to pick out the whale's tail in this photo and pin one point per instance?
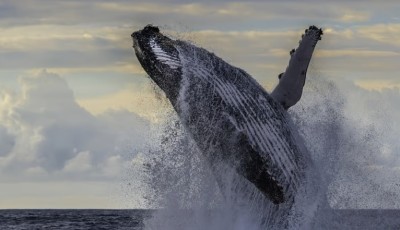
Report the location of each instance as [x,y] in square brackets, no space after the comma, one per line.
[290,88]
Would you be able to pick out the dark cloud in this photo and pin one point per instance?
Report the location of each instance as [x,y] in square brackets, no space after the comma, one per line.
[195,14]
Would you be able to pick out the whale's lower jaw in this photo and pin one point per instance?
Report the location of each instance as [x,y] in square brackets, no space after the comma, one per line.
[230,116]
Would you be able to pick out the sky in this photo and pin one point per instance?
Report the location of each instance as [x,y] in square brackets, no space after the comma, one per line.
[76,107]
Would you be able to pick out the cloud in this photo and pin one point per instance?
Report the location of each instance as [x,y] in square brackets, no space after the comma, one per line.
[136,98]
[265,53]
[46,134]
[356,53]
[7,141]
[384,33]
[220,14]
[72,47]
[80,163]
[350,16]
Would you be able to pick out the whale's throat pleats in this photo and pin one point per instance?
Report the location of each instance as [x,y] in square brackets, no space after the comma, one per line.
[234,120]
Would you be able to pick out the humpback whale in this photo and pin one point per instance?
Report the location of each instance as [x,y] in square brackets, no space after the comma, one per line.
[232,119]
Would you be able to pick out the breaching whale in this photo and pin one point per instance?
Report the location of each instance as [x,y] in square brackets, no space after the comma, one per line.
[232,119]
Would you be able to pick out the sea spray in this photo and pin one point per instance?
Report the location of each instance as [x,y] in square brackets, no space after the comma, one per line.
[186,190]
[342,147]
[188,194]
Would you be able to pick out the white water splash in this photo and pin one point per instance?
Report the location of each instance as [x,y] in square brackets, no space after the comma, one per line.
[181,183]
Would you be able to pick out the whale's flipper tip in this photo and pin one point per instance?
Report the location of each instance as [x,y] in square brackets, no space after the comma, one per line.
[315,32]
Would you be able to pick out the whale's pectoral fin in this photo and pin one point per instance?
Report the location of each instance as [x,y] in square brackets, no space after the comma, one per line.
[290,87]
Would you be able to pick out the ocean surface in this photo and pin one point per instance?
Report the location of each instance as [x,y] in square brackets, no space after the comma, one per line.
[72,219]
[134,219]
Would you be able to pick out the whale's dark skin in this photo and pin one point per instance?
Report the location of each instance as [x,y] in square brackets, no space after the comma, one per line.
[232,119]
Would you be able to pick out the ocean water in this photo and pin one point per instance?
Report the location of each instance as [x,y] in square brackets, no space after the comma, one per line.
[72,219]
[135,219]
